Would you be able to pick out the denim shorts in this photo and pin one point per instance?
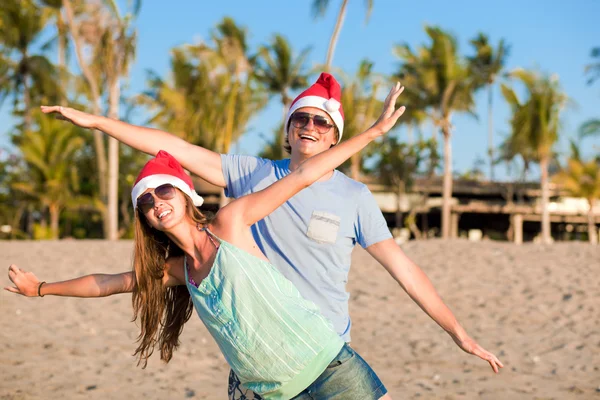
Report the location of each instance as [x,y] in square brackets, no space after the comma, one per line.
[347,377]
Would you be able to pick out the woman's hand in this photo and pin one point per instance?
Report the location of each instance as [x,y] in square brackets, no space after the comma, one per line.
[470,346]
[26,283]
[76,117]
[390,115]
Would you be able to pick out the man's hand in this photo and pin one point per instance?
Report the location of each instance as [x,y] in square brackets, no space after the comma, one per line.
[76,117]
[470,346]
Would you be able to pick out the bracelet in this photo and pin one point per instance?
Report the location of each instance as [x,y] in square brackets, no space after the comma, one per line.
[40,288]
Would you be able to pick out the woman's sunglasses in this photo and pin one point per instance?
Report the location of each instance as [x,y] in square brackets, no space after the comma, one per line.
[321,124]
[164,192]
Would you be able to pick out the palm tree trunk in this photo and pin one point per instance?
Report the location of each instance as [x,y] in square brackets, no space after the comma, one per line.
[113,164]
[26,98]
[491,130]
[101,162]
[447,185]
[546,237]
[62,52]
[334,37]
[54,218]
[592,232]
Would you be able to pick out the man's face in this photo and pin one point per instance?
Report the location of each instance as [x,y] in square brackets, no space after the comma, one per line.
[312,138]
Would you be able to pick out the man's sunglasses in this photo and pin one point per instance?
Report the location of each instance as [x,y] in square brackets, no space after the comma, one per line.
[321,124]
[164,192]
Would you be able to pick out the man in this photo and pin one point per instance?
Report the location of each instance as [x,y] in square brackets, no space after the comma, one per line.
[310,238]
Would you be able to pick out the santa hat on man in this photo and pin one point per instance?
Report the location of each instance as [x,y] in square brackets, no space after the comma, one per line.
[325,94]
[164,168]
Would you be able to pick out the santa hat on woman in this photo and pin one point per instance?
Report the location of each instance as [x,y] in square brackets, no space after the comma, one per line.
[325,94]
[164,168]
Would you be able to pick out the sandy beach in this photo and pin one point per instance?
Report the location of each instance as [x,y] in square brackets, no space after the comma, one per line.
[537,307]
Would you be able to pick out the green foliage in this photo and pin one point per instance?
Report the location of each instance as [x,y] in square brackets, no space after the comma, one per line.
[52,181]
[212,94]
[273,149]
[593,68]
[25,77]
[436,78]
[279,71]
[535,121]
[581,178]
[487,62]
[319,8]
[397,163]
[361,107]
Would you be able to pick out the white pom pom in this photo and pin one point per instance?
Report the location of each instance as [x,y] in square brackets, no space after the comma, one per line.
[332,105]
[197,199]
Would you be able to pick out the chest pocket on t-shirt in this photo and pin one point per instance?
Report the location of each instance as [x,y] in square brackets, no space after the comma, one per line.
[323,227]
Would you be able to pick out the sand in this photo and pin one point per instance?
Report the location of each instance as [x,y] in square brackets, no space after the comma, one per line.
[536,307]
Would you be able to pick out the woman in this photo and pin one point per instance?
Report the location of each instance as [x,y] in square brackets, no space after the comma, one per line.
[278,344]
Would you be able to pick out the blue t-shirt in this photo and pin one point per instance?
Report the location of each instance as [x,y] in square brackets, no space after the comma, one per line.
[310,238]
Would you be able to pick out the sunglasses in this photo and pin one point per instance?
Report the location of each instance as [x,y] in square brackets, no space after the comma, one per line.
[164,192]
[321,124]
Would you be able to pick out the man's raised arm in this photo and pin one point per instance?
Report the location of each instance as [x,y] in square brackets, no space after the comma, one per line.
[198,160]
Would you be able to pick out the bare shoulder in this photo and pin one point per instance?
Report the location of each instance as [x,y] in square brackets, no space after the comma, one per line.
[235,233]
[227,223]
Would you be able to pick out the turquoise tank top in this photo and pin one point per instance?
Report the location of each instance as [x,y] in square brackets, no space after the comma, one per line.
[276,342]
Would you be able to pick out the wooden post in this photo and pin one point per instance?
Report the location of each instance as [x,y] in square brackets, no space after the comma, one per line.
[517,223]
[454,218]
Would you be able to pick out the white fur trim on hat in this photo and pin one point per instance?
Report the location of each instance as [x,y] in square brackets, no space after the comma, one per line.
[330,106]
[154,181]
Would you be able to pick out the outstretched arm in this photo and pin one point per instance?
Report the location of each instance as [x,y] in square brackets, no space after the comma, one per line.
[414,281]
[254,207]
[95,285]
[198,160]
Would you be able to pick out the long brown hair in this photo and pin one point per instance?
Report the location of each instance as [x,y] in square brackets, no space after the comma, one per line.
[162,310]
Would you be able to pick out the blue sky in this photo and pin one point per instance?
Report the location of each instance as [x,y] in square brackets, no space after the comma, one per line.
[550,36]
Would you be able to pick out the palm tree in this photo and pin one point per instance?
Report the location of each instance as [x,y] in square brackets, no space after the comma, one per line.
[440,80]
[280,72]
[535,124]
[98,30]
[397,164]
[319,7]
[115,52]
[26,77]
[179,104]
[593,69]
[486,65]
[85,29]
[590,128]
[61,40]
[212,93]
[582,179]
[517,146]
[50,152]
[361,106]
[273,146]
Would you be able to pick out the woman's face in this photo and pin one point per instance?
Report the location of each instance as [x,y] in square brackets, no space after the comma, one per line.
[165,213]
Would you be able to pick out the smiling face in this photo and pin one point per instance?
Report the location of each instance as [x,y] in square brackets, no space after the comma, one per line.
[165,213]
[310,140]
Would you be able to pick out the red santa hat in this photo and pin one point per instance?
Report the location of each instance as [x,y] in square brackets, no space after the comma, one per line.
[164,168]
[325,94]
